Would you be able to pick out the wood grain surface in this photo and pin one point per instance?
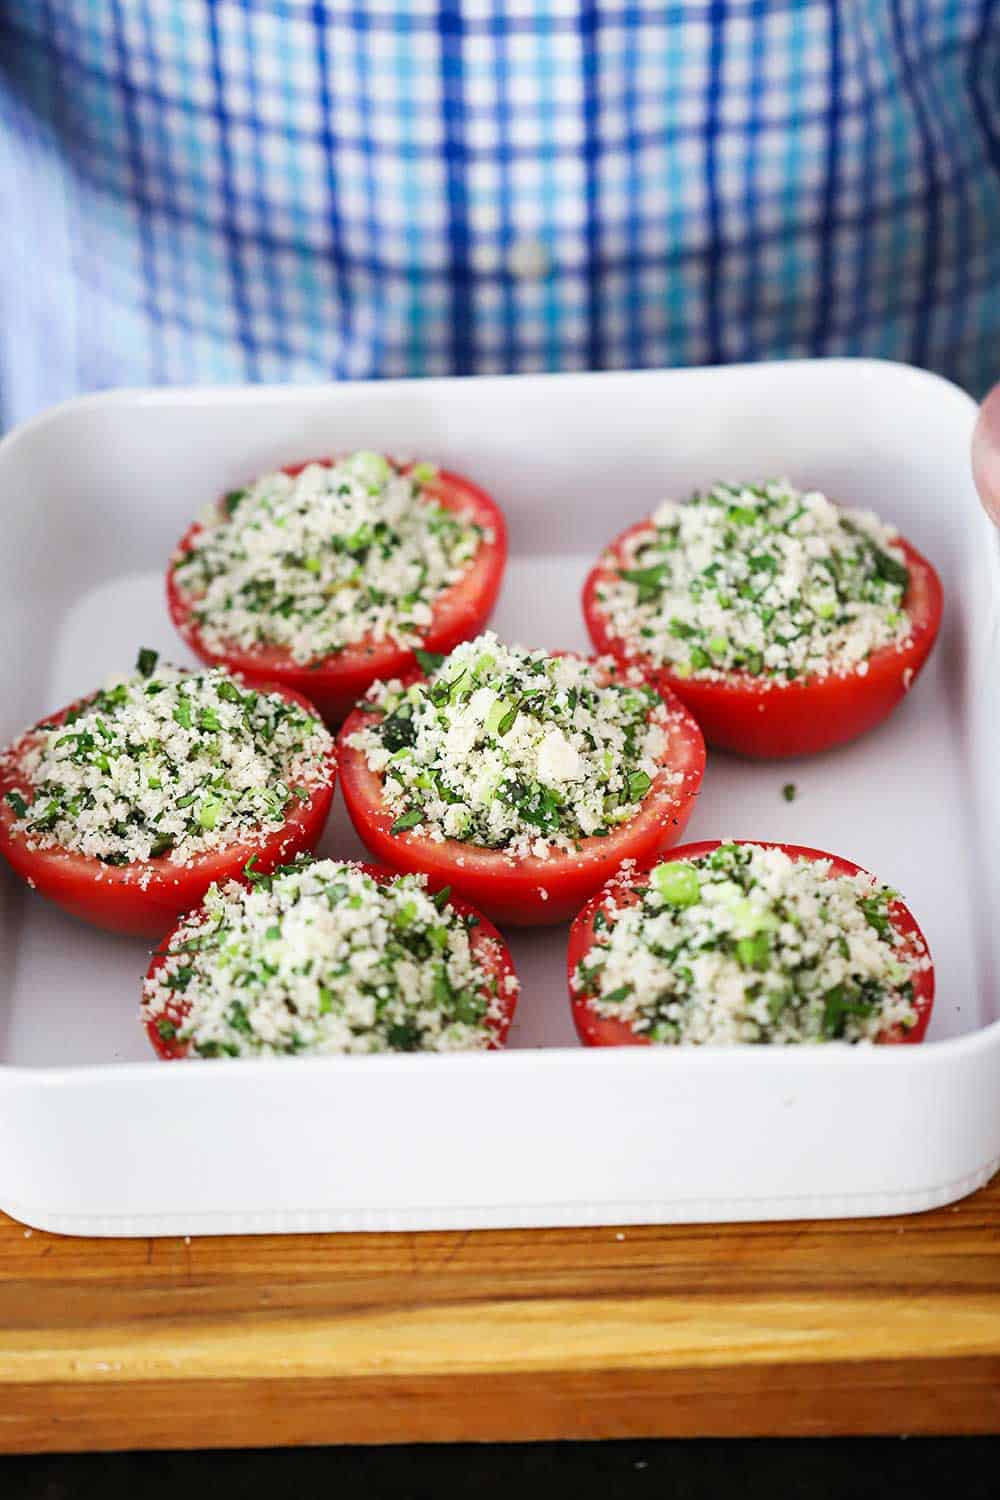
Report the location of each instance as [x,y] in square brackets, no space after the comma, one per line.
[863,1326]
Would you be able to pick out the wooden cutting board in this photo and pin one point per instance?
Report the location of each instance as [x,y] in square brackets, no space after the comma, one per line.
[864,1326]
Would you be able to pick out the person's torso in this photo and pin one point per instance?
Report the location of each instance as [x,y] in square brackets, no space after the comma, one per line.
[279,190]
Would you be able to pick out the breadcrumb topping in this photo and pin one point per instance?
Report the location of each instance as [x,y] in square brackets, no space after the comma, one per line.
[167,763]
[340,553]
[764,579]
[746,944]
[515,749]
[321,958]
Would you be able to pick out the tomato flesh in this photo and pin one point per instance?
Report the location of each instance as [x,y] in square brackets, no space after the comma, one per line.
[140,899]
[335,685]
[528,892]
[487,945]
[595,1030]
[771,720]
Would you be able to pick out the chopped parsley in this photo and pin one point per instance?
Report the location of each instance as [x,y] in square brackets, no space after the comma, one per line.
[745,944]
[514,749]
[320,958]
[166,763]
[146,664]
[764,579]
[343,552]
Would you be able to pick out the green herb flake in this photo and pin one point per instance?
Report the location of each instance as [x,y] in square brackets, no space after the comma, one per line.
[407,820]
[428,661]
[506,724]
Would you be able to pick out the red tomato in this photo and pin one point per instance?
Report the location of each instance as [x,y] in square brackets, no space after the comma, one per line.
[769,719]
[139,899]
[335,685]
[528,892]
[486,943]
[607,1031]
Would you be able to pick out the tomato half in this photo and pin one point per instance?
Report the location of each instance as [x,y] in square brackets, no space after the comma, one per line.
[488,947]
[335,685]
[528,891]
[139,899]
[607,1031]
[771,720]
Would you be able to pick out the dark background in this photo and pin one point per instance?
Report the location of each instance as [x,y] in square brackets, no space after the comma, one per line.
[787,1469]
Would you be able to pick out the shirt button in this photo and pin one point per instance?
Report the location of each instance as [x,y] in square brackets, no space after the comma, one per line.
[529,260]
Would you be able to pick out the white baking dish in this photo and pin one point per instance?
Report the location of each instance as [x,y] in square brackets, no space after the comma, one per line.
[98,1138]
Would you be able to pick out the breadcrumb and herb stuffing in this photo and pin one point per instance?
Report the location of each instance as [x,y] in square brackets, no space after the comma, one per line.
[167,763]
[767,580]
[321,958]
[316,562]
[747,944]
[515,750]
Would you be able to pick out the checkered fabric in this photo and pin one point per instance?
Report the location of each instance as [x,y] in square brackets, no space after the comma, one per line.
[230,190]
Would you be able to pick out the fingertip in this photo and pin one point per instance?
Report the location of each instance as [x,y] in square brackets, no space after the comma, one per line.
[986,454]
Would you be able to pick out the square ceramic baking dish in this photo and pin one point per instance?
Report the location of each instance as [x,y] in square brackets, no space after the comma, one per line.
[98,1138]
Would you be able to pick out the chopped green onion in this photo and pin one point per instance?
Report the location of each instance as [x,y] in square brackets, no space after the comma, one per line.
[210,812]
[369,468]
[638,785]
[753,952]
[677,883]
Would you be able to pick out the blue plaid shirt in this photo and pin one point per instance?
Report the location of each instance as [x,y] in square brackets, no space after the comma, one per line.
[231,190]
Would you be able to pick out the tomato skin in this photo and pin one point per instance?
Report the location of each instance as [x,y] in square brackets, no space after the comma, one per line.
[114,897]
[600,1031]
[511,892]
[486,943]
[460,613]
[770,720]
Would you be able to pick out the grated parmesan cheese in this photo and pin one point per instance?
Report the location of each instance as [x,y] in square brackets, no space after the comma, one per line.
[766,579]
[167,763]
[746,944]
[320,958]
[340,553]
[514,749]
